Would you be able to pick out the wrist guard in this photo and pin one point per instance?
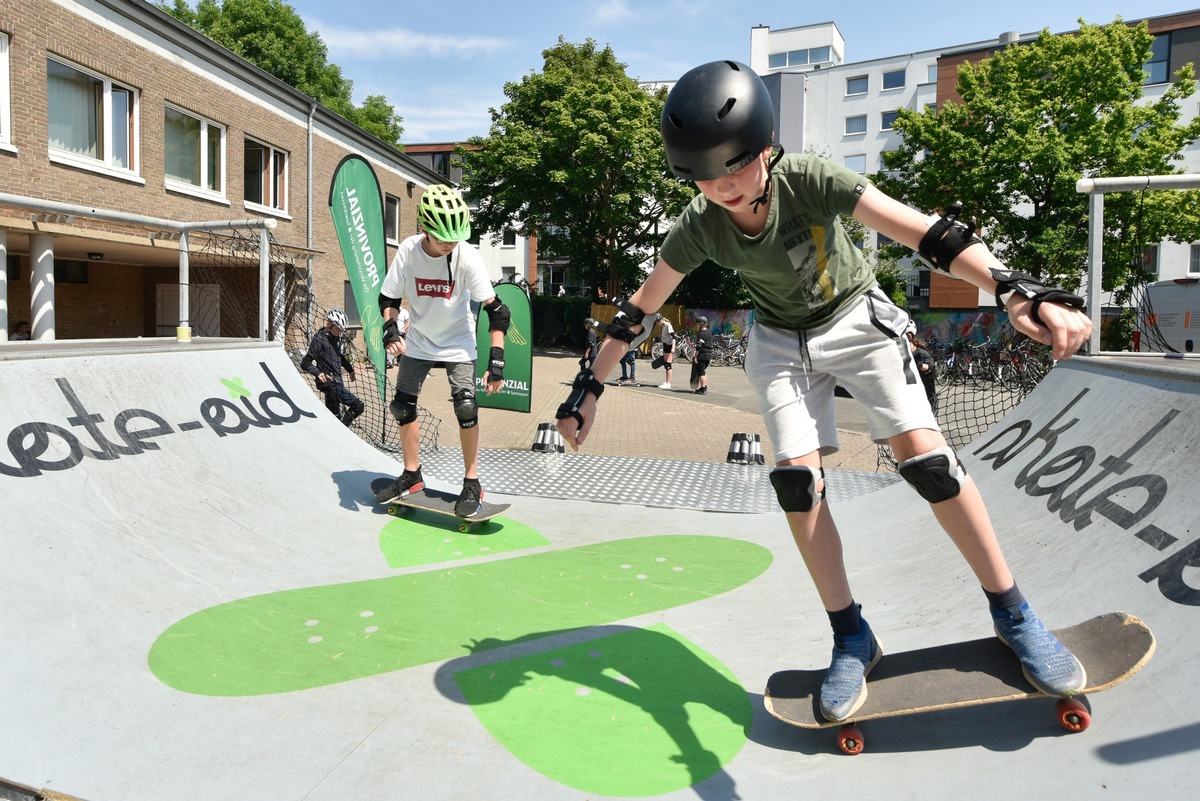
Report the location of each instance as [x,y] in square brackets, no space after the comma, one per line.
[391,332]
[585,382]
[945,239]
[1012,282]
[620,328]
[496,364]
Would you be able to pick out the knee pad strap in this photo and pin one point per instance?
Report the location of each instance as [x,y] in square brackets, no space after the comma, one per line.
[936,476]
[796,487]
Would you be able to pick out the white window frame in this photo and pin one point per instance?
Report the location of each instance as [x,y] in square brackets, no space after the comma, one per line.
[903,80]
[866,79]
[858,159]
[846,129]
[103,164]
[1194,259]
[883,119]
[276,206]
[207,127]
[5,97]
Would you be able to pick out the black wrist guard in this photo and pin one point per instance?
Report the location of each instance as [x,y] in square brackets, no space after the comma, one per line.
[391,332]
[1011,282]
[620,328]
[945,239]
[496,364]
[585,382]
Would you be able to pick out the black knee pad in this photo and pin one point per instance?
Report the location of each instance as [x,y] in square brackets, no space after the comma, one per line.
[796,487]
[465,408]
[404,408]
[936,476]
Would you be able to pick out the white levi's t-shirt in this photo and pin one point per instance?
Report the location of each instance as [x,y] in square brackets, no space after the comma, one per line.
[439,297]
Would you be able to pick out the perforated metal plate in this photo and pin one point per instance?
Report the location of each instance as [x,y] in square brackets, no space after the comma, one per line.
[707,486]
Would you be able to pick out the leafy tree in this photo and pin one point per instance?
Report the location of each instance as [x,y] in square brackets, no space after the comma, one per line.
[575,158]
[883,262]
[711,286]
[271,35]
[1032,121]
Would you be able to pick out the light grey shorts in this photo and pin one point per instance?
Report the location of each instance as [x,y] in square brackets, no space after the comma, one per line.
[864,350]
[411,375]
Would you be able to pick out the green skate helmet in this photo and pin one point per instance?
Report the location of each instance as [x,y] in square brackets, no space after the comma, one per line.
[443,213]
[717,119]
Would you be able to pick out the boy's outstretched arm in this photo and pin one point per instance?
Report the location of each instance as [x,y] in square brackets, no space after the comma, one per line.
[1064,327]
[650,297]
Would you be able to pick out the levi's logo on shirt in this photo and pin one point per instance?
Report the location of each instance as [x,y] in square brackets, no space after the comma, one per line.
[434,287]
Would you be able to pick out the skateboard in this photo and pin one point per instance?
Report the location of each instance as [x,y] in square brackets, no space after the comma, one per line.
[439,503]
[1111,647]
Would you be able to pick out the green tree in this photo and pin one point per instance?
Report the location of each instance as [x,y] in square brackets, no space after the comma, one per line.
[575,158]
[1033,120]
[271,35]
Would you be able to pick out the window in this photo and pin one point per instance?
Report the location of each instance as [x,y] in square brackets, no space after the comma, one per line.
[856,125]
[70,271]
[509,240]
[266,176]
[350,306]
[193,153]
[800,58]
[391,219]
[1150,262]
[893,79]
[888,120]
[93,120]
[856,85]
[931,73]
[5,96]
[1194,261]
[857,163]
[1158,66]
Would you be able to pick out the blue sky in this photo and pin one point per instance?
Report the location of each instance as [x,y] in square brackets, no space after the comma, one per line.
[443,66]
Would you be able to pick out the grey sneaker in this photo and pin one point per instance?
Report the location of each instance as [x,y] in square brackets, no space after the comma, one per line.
[406,484]
[845,686]
[1046,662]
[469,499]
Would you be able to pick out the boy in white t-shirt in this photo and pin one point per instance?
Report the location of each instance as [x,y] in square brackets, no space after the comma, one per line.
[441,274]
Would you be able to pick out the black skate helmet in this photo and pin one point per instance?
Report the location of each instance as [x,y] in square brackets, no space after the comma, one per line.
[717,119]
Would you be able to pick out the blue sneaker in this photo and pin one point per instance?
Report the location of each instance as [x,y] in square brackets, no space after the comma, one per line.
[1045,661]
[845,687]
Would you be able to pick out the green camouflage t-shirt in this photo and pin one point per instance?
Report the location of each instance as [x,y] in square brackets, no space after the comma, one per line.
[802,269]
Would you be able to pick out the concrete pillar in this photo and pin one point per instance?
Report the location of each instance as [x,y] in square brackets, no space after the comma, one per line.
[41,286]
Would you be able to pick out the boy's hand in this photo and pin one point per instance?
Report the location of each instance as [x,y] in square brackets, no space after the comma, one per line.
[1064,328]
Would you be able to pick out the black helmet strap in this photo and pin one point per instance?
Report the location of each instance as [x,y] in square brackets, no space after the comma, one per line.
[761,199]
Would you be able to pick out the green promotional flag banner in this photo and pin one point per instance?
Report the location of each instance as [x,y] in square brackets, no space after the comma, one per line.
[356,204]
[518,354]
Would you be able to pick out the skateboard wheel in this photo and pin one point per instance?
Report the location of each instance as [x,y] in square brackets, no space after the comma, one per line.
[394,509]
[850,739]
[1073,714]
[463,528]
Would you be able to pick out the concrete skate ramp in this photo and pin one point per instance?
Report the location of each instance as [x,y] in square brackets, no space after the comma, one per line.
[200,601]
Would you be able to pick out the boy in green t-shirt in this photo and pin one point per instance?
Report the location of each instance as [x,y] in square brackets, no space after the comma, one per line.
[821,322]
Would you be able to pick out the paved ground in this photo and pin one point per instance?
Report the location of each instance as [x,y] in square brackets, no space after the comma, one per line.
[649,422]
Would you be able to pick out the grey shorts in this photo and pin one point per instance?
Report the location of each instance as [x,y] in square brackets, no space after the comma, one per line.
[864,350]
[411,375]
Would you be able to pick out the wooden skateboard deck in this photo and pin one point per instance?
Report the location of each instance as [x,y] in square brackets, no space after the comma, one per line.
[440,503]
[1111,647]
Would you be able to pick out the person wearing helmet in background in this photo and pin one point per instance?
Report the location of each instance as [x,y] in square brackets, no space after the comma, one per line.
[325,360]
[590,345]
[821,321]
[441,275]
[704,348]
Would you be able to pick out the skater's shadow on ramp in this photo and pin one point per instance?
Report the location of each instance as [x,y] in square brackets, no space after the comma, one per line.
[354,489]
[1152,746]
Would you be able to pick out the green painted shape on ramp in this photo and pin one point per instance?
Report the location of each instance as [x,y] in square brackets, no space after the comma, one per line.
[429,539]
[317,636]
[638,713]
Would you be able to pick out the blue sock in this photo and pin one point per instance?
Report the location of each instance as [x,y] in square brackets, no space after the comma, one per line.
[846,621]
